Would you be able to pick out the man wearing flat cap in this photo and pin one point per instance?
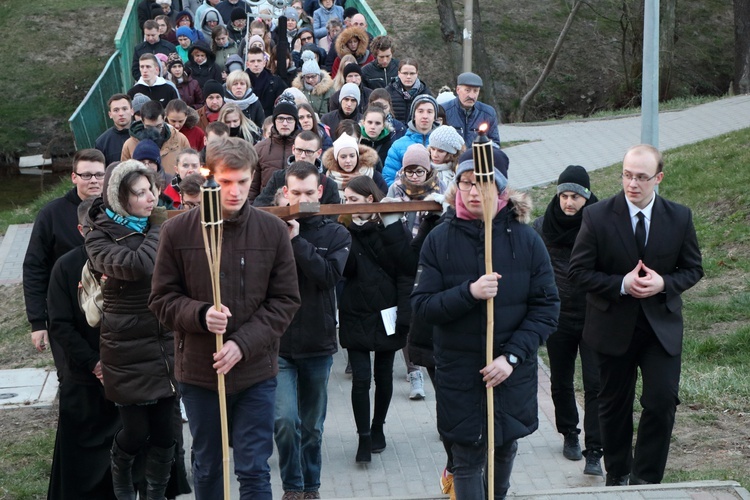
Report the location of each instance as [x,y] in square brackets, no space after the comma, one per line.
[465,113]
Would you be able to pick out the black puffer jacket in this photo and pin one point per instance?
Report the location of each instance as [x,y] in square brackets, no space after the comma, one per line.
[377,276]
[320,251]
[525,309]
[137,354]
[401,99]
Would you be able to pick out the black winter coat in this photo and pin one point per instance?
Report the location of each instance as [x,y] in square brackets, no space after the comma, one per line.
[400,105]
[572,298]
[137,353]
[377,276]
[53,235]
[320,251]
[526,310]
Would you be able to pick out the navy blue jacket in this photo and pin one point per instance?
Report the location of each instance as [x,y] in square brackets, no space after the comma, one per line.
[526,309]
[467,125]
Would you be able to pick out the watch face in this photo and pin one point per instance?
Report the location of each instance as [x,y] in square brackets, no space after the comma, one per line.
[512,359]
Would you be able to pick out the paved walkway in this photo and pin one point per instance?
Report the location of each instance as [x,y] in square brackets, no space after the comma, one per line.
[411,464]
[596,144]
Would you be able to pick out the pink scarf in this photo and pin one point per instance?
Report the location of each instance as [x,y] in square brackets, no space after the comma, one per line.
[463,213]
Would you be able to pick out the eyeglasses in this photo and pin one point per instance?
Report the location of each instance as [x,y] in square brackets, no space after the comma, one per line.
[303,152]
[86,176]
[640,179]
[285,119]
[190,204]
[466,185]
[305,39]
[417,172]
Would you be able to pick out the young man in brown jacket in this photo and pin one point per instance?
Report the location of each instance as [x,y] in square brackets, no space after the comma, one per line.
[259,298]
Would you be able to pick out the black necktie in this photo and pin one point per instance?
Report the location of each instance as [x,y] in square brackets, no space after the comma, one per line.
[640,234]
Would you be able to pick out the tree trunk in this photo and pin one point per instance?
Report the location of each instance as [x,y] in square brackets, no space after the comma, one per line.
[667,41]
[451,31]
[741,82]
[481,61]
[550,62]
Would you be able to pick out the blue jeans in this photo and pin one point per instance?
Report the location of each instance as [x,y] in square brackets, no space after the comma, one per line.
[468,470]
[251,414]
[301,402]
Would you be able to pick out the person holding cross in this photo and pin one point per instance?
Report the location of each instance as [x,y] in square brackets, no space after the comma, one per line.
[451,293]
[260,296]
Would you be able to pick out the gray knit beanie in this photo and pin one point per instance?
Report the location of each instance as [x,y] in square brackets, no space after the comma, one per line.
[446,138]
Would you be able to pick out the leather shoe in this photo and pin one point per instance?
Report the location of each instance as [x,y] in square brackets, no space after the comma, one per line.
[617,480]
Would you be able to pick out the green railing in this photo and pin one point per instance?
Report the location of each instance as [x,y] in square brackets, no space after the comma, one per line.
[90,119]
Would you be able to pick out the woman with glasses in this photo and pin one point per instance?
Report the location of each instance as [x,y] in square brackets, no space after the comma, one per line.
[406,88]
[315,83]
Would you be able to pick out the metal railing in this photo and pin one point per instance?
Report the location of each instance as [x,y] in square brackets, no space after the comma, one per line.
[90,118]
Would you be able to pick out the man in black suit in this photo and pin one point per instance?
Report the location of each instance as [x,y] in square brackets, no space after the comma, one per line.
[635,254]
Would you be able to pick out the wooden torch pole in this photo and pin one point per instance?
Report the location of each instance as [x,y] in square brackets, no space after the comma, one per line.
[485,177]
[213,230]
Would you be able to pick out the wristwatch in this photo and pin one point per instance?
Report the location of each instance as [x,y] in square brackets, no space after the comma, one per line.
[512,359]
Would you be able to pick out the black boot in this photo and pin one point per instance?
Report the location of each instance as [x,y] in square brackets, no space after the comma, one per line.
[158,466]
[122,473]
[364,451]
[378,438]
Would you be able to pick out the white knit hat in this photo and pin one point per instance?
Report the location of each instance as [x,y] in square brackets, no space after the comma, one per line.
[310,65]
[446,138]
[344,141]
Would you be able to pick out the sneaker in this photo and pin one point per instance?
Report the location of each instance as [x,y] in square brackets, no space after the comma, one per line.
[417,385]
[571,447]
[446,484]
[311,494]
[593,465]
[293,495]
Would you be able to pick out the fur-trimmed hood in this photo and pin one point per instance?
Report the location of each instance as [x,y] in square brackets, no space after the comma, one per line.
[192,118]
[325,84]
[112,180]
[348,34]
[368,157]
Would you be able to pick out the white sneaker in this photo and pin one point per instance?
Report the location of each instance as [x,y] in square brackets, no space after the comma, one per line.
[417,385]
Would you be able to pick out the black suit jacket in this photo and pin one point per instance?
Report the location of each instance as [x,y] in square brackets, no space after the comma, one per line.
[605,251]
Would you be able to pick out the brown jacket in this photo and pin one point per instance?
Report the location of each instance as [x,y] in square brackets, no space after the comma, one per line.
[258,285]
[173,145]
[272,156]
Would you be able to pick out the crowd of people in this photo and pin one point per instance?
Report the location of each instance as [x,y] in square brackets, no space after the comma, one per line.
[309,107]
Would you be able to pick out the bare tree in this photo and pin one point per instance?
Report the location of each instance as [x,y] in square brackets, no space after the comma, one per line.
[741,84]
[451,31]
[550,62]
[667,42]
[481,63]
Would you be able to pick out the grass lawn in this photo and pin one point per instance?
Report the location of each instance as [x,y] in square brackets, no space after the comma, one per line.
[46,71]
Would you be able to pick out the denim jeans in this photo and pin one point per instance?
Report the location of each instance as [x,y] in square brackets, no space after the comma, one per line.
[251,413]
[468,470]
[301,402]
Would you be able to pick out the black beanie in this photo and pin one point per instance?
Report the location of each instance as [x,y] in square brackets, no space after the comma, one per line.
[574,178]
[352,68]
[212,87]
[238,13]
[286,108]
[350,11]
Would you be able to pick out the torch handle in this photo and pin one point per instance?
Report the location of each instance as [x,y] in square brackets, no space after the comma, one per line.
[489,350]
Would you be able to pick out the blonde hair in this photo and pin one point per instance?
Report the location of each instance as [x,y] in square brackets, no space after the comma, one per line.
[237,76]
[339,80]
[247,127]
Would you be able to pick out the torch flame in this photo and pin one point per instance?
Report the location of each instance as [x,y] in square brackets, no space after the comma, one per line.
[483,128]
[205,172]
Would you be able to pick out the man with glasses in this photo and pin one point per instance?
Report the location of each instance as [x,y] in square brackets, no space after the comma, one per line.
[307,147]
[188,163]
[273,152]
[190,191]
[634,256]
[55,233]
[152,126]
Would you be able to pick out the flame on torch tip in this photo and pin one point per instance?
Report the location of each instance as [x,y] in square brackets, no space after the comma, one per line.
[205,172]
[483,128]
